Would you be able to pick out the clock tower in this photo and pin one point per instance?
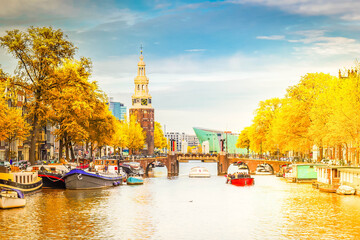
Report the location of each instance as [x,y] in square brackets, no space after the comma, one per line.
[141,106]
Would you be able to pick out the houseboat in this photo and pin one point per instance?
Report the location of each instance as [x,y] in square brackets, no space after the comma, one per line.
[328,178]
[52,174]
[303,173]
[350,176]
[27,182]
[199,172]
[100,174]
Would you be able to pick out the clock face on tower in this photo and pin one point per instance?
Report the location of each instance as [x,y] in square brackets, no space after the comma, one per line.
[144,101]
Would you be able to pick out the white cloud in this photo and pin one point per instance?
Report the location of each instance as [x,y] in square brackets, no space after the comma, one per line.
[195,50]
[345,9]
[316,43]
[272,37]
[15,8]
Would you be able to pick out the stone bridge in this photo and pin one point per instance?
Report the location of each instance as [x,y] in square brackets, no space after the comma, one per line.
[172,162]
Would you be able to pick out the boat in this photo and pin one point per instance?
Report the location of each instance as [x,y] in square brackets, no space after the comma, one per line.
[134,180]
[11,198]
[264,169]
[132,168]
[238,174]
[84,179]
[199,172]
[52,174]
[327,189]
[345,190]
[25,181]
[157,169]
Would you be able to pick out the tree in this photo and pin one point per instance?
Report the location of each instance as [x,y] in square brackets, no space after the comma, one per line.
[259,132]
[39,51]
[243,140]
[134,134]
[159,139]
[13,125]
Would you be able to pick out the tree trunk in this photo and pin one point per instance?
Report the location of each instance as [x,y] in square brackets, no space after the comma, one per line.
[67,147]
[61,146]
[33,140]
[72,150]
[91,150]
[321,153]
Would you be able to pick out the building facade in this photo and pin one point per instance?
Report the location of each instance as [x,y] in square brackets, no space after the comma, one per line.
[117,109]
[217,139]
[142,108]
[182,140]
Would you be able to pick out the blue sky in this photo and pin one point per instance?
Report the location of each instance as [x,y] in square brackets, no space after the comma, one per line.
[209,62]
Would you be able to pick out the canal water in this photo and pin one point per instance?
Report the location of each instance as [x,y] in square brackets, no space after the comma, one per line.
[186,208]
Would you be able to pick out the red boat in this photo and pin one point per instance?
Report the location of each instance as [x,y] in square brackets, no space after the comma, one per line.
[239,175]
[243,181]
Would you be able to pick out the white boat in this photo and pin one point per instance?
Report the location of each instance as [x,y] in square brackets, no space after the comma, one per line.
[199,172]
[264,169]
[11,198]
[345,190]
[157,169]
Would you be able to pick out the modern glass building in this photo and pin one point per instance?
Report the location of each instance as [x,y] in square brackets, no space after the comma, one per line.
[216,137]
[117,109]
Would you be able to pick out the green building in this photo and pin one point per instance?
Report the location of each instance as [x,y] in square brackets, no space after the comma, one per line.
[216,137]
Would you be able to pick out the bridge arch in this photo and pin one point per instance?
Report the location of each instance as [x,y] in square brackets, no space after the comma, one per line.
[266,166]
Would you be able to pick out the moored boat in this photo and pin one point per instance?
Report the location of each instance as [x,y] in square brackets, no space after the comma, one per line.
[264,169]
[81,179]
[11,198]
[327,189]
[345,190]
[27,182]
[132,168]
[157,169]
[238,174]
[134,180]
[199,172]
[52,175]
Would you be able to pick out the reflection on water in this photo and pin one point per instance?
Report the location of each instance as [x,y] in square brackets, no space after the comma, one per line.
[186,208]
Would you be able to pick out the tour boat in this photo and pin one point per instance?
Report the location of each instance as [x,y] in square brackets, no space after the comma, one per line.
[82,179]
[264,169]
[134,180]
[345,190]
[11,198]
[27,182]
[52,175]
[238,174]
[157,169]
[199,172]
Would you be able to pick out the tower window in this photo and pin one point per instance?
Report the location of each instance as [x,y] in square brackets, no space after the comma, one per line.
[138,87]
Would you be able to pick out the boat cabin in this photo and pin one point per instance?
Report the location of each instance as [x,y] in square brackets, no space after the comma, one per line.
[350,176]
[305,172]
[24,177]
[329,174]
[109,165]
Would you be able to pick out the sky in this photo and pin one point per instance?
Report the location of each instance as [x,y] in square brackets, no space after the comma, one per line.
[209,63]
